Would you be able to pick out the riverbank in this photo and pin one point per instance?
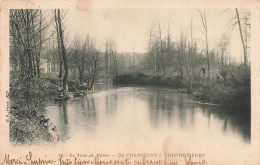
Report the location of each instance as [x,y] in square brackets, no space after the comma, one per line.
[26,97]
[235,95]
[26,126]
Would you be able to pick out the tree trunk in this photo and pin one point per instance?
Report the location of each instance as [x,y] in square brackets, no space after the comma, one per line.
[63,52]
[28,46]
[242,39]
[94,72]
[35,66]
[161,42]
[80,76]
[40,48]
[58,44]
[204,22]
[106,60]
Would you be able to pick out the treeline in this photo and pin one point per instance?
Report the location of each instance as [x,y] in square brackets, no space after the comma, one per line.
[40,40]
[41,36]
[28,33]
[210,74]
[38,37]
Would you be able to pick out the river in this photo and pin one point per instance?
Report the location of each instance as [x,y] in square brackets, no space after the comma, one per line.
[145,116]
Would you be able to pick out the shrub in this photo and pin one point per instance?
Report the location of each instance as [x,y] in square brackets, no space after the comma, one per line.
[28,128]
[33,92]
[26,94]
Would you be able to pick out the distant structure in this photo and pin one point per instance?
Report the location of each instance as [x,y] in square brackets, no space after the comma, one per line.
[49,66]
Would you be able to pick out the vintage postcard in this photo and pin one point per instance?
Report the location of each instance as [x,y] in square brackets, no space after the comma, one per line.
[124,82]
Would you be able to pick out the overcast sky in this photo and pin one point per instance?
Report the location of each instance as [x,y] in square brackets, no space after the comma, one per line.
[130,27]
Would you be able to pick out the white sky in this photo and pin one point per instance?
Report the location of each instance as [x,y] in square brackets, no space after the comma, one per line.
[130,27]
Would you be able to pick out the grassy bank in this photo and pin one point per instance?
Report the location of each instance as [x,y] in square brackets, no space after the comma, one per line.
[26,127]
[26,97]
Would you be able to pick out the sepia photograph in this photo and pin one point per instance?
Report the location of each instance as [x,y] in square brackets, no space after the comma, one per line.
[130,85]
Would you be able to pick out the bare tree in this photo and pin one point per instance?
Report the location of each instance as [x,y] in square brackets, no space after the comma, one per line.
[169,45]
[107,59]
[192,48]
[63,52]
[96,54]
[58,43]
[161,48]
[223,51]
[152,46]
[111,57]
[27,30]
[205,27]
[244,39]
[114,56]
[133,56]
[241,36]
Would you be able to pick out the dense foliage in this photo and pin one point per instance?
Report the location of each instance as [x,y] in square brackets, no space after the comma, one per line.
[142,79]
[26,97]
[26,127]
[211,75]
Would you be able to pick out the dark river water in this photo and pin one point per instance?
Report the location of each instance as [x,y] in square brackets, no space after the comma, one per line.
[149,114]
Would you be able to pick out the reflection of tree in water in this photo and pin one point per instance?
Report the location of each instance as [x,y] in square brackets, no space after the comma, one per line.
[154,108]
[111,103]
[181,111]
[64,106]
[163,105]
[169,111]
[89,115]
[62,118]
[160,106]
[208,112]
[225,125]
[235,122]
[192,115]
[82,113]
[108,84]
